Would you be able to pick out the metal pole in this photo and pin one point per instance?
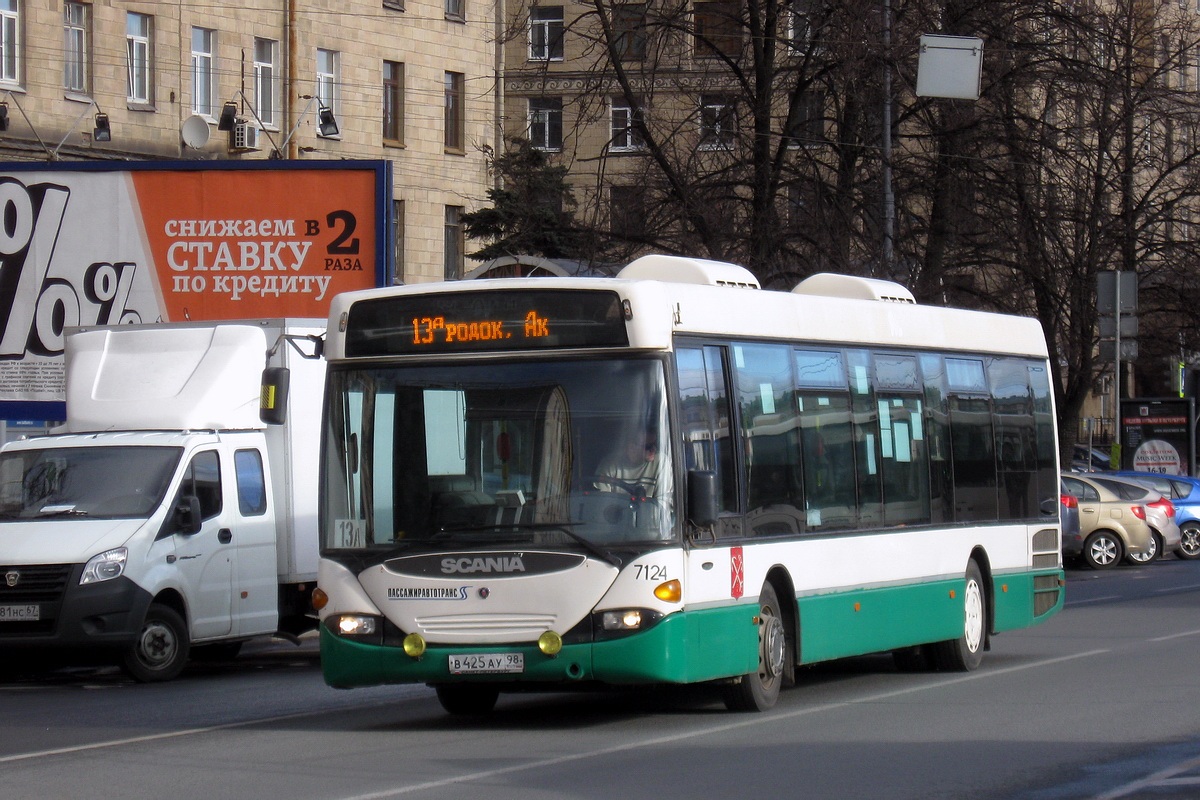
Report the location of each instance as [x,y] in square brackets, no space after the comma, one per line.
[1116,371]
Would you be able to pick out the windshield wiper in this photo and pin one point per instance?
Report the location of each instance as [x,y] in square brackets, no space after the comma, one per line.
[60,511]
[562,527]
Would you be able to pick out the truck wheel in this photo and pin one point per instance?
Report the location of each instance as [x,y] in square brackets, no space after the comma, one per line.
[161,648]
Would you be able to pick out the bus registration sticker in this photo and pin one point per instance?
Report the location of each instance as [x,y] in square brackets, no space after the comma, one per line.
[486,663]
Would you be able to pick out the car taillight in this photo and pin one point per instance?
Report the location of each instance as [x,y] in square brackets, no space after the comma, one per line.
[1068,500]
[1166,505]
[1138,511]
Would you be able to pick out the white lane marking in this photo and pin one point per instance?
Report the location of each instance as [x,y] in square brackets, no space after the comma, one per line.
[758,719]
[1164,777]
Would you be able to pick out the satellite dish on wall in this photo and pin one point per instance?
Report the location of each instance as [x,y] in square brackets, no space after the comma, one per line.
[195,131]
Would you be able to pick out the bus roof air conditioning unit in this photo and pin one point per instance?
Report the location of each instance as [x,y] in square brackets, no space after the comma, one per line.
[244,135]
[831,284]
[678,269]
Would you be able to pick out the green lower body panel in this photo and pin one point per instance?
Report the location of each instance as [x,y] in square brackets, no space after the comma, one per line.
[843,624]
[682,648]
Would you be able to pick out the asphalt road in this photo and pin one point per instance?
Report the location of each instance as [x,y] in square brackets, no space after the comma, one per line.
[1100,702]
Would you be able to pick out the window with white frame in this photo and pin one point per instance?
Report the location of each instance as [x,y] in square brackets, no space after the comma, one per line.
[626,136]
[266,81]
[546,33]
[546,122]
[138,63]
[327,77]
[204,88]
[10,41]
[717,123]
[76,47]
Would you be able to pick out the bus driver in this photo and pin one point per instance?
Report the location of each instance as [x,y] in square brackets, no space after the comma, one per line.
[634,467]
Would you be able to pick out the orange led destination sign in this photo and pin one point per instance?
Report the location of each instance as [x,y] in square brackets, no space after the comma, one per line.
[482,321]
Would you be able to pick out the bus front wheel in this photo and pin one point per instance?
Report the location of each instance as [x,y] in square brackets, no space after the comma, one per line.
[758,690]
[966,652]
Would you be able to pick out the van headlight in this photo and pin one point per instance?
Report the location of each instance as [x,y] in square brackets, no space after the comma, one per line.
[104,567]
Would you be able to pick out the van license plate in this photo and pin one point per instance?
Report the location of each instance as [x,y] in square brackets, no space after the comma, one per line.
[30,613]
[486,663]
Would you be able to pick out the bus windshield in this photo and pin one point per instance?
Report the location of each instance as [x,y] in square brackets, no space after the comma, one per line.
[547,453]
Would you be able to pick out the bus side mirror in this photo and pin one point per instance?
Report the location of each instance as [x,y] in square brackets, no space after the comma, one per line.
[702,498]
[272,400]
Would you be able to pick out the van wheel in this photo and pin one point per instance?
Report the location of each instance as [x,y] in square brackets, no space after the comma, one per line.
[161,648]
[966,652]
[759,690]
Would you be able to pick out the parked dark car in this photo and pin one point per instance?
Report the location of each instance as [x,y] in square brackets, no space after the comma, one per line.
[1184,492]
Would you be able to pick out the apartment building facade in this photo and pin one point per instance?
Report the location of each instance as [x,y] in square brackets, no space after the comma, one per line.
[412,81]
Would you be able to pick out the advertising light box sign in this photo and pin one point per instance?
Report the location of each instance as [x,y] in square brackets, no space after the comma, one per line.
[87,244]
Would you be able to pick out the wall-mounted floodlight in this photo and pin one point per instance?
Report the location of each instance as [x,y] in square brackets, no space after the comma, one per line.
[228,116]
[102,132]
[326,123]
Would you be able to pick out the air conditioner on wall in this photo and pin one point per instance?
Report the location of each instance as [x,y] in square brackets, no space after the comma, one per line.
[244,136]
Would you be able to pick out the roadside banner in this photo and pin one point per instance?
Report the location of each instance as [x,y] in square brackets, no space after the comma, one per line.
[88,244]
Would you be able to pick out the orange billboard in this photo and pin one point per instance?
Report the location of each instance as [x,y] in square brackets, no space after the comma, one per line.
[101,244]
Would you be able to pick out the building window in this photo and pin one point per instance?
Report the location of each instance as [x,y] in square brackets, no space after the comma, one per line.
[327,80]
[204,90]
[266,83]
[455,117]
[626,136]
[627,211]
[394,5]
[546,123]
[77,55]
[546,33]
[137,56]
[393,101]
[10,41]
[454,243]
[807,129]
[717,123]
[718,29]
[629,29]
[456,10]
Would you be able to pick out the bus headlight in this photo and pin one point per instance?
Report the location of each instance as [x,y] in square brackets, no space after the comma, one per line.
[627,620]
[355,626]
[104,567]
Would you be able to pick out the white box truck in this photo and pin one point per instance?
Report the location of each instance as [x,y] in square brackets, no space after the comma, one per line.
[166,516]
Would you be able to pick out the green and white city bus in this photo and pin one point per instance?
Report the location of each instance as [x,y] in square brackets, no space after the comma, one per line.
[674,476]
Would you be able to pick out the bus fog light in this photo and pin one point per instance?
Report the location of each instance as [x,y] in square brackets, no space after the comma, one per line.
[628,620]
[355,625]
[550,643]
[414,645]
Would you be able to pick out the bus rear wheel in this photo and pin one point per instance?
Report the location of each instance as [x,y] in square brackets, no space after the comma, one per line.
[759,690]
[467,699]
[966,652]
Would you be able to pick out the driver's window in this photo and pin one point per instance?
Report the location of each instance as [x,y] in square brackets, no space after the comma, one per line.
[203,480]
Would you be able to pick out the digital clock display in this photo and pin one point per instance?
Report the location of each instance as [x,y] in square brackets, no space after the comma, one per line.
[484,321]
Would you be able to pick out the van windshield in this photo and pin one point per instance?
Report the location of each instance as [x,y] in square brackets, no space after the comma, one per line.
[109,482]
